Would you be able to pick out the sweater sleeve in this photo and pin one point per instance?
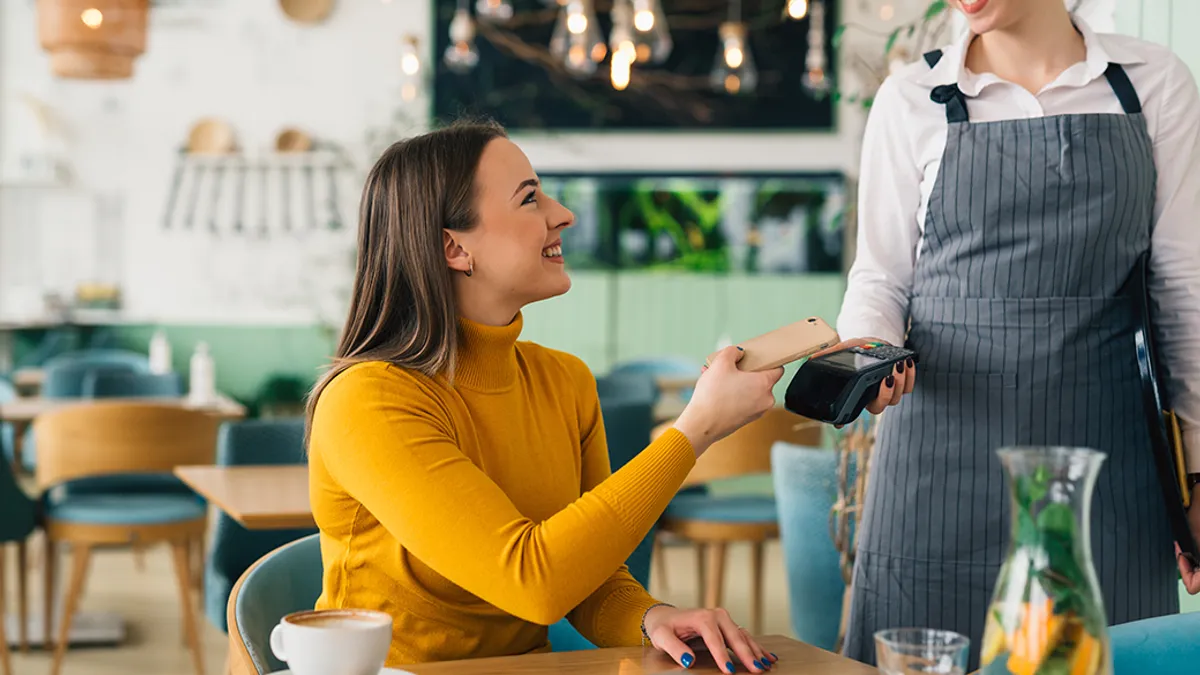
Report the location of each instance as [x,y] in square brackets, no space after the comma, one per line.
[612,615]
[397,455]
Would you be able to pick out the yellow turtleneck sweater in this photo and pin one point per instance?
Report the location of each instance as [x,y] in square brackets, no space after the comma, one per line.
[478,513]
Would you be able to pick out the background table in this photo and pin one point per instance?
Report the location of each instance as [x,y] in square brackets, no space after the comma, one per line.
[795,658]
[258,497]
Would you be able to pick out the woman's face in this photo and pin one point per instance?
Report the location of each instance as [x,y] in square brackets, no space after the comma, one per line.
[988,15]
[516,245]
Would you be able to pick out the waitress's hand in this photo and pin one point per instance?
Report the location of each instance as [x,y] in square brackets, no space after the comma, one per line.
[899,383]
[671,630]
[725,399]
[1191,577]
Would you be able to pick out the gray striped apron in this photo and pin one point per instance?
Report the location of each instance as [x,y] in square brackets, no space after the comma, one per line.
[1025,338]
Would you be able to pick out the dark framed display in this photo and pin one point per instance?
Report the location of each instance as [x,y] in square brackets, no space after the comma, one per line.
[767,223]
[518,82]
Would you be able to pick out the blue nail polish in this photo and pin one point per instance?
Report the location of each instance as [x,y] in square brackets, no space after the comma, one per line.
[740,349]
[687,660]
[774,657]
[758,664]
[729,666]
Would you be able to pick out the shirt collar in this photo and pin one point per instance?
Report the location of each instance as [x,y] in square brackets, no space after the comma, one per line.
[1101,51]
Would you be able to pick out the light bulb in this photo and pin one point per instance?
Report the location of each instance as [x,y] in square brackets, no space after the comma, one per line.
[92,18]
[577,23]
[887,12]
[461,55]
[494,10]
[797,9]
[652,38]
[734,71]
[410,61]
[620,70]
[408,92]
[577,42]
[816,82]
[620,40]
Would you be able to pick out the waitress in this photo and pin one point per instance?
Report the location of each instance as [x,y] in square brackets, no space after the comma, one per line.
[1009,184]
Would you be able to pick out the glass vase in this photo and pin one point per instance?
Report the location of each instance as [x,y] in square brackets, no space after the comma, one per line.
[1047,615]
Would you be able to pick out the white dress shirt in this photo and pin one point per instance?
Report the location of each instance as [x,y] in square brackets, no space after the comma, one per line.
[902,151]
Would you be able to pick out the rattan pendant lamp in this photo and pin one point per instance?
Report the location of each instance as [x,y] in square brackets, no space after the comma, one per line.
[93,39]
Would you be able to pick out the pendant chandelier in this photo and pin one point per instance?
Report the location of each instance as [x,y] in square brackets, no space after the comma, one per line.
[93,39]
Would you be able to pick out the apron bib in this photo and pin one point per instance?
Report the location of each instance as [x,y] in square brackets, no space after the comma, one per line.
[1033,227]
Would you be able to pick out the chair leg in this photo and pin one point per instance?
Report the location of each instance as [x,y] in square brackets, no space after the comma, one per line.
[716,574]
[756,587]
[179,550]
[5,661]
[50,567]
[82,554]
[23,595]
[700,551]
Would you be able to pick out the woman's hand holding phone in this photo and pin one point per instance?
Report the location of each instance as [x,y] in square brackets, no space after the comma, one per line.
[726,399]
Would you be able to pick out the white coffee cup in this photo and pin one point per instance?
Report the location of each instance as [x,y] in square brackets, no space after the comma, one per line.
[325,641]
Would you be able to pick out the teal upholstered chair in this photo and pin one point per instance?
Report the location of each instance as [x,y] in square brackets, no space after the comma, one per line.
[667,365]
[18,518]
[234,548]
[805,481]
[628,386]
[129,384]
[283,581]
[1167,645]
[627,425]
[7,393]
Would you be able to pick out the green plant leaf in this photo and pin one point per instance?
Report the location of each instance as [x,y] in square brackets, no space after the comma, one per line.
[1058,519]
[891,41]
[935,8]
[836,40]
[1055,665]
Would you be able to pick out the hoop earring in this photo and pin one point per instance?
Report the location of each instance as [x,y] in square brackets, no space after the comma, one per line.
[471,268]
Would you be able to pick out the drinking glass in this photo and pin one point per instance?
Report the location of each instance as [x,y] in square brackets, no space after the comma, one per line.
[921,651]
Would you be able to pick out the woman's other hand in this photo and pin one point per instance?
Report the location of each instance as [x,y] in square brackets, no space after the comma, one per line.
[899,383]
[726,399]
[671,630]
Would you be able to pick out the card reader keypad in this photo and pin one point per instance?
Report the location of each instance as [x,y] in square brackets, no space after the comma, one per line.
[882,352]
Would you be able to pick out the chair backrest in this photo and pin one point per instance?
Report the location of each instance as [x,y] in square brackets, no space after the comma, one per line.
[101,438]
[65,379]
[627,427]
[20,511]
[666,365]
[100,357]
[283,581]
[748,450]
[129,384]
[805,481]
[235,548]
[629,386]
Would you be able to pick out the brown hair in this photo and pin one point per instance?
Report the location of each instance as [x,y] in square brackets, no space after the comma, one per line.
[402,307]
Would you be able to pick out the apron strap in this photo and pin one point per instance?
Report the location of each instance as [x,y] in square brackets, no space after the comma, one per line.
[948,95]
[1123,88]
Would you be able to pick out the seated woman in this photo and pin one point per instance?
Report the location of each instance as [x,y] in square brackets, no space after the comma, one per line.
[460,477]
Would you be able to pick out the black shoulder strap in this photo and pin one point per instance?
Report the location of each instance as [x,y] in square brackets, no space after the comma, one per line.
[1123,88]
[948,95]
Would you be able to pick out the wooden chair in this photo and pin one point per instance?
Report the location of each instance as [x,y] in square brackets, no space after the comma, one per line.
[106,439]
[713,522]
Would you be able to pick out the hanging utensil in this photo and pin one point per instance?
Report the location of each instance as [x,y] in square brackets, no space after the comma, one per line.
[239,201]
[290,141]
[189,217]
[218,178]
[176,182]
[263,228]
[311,196]
[335,221]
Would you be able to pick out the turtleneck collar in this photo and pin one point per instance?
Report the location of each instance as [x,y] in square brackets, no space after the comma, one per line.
[487,355]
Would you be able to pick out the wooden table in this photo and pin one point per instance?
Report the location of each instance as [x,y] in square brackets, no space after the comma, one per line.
[795,658]
[258,497]
[22,411]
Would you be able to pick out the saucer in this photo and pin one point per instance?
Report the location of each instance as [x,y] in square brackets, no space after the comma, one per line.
[385,671]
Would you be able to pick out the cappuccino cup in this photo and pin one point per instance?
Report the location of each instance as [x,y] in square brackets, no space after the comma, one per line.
[333,641]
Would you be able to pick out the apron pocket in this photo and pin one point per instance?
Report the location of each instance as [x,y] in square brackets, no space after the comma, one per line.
[938,489]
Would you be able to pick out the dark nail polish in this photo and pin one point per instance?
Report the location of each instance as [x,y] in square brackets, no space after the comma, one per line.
[740,349]
[899,367]
[729,666]
[891,381]
[909,363]
[773,657]
[687,660]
